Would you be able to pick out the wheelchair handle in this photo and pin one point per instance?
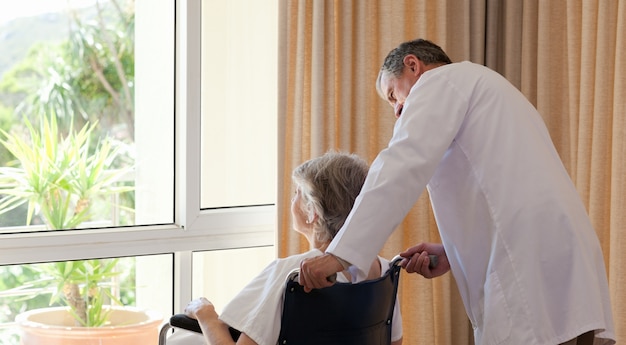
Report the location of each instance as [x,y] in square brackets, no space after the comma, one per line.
[434,260]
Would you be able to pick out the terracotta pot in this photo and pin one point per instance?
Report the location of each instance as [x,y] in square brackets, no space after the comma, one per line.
[55,326]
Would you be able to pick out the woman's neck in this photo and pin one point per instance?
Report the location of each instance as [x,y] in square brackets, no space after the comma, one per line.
[321,246]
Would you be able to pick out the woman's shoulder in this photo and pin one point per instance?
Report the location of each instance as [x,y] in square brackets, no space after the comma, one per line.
[284,265]
[298,257]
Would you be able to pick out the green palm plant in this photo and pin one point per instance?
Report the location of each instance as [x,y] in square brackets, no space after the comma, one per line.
[59,177]
[85,286]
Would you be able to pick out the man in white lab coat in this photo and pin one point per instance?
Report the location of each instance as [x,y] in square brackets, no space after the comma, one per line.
[515,233]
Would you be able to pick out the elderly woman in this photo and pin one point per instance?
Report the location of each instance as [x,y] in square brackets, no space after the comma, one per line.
[325,190]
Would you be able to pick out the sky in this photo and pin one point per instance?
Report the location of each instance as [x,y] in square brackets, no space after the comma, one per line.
[10,9]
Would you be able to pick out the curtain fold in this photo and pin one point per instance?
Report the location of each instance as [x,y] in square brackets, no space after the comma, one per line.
[617,224]
[567,57]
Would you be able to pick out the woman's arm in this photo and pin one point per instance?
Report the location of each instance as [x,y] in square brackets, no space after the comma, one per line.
[214,330]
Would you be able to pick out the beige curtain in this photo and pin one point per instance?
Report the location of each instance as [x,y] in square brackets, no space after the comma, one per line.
[566,56]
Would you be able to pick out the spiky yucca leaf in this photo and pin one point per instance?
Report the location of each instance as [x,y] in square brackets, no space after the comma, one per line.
[58,177]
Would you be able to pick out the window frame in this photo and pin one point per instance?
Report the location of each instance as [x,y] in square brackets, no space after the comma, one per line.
[193,229]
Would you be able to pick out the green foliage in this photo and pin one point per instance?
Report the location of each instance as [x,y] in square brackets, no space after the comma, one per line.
[82,286]
[19,35]
[23,277]
[86,286]
[88,76]
[58,177]
[51,171]
[6,121]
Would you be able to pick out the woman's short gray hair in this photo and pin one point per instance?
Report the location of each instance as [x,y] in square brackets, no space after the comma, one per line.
[329,185]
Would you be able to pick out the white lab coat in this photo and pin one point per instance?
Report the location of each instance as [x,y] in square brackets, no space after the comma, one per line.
[524,255]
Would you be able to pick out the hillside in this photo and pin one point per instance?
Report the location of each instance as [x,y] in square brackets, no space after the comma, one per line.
[18,35]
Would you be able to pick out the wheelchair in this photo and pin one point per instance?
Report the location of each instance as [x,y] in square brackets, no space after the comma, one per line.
[343,314]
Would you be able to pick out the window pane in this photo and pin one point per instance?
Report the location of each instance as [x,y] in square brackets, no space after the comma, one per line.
[239,96]
[86,99]
[219,275]
[143,283]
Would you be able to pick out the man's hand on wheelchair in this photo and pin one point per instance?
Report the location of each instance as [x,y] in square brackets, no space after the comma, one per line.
[419,259]
[317,272]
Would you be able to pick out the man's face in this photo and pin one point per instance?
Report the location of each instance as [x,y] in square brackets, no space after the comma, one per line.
[396,89]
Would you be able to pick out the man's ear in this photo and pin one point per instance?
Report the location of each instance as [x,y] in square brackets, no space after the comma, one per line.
[414,64]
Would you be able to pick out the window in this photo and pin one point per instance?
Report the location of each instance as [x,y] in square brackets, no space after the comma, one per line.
[33,287]
[212,272]
[95,66]
[178,210]
[239,93]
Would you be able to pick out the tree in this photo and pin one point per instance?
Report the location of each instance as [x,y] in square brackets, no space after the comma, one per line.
[87,77]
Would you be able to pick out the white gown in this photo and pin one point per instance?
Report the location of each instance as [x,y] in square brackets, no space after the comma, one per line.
[524,255]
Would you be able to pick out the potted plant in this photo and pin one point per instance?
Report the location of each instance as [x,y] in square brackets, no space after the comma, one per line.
[89,317]
[59,178]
